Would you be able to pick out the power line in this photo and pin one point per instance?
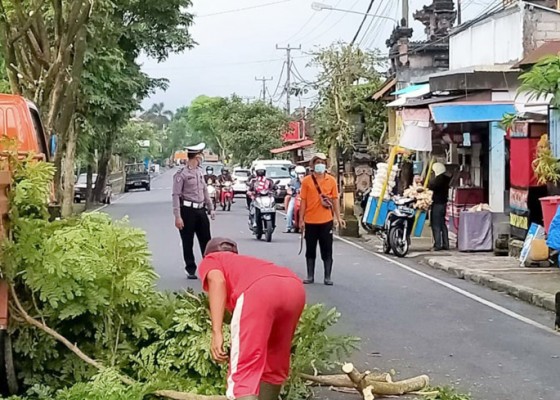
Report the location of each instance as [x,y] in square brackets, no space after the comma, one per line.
[243,9]
[288,72]
[161,67]
[279,79]
[372,20]
[344,15]
[317,26]
[366,15]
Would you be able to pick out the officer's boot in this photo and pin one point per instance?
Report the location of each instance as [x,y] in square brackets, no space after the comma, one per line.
[310,271]
[328,271]
[268,391]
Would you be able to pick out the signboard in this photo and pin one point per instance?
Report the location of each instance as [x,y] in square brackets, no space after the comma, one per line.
[519,215]
[144,143]
[294,132]
[535,232]
[518,199]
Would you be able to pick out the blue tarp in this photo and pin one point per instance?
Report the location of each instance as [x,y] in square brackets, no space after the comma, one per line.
[409,89]
[451,113]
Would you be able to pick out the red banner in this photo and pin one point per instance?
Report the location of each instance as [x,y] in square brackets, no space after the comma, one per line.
[294,133]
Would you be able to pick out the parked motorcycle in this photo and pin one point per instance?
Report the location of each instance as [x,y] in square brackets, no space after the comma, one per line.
[398,227]
[226,196]
[263,215]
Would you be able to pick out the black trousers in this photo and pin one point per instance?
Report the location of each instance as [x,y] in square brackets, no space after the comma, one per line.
[322,233]
[196,222]
[439,227]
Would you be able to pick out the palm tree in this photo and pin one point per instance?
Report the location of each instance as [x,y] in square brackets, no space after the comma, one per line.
[158,115]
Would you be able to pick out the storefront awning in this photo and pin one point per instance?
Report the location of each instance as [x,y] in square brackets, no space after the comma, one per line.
[453,113]
[411,88]
[295,146]
[419,90]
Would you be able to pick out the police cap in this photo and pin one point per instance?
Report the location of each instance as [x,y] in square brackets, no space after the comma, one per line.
[196,149]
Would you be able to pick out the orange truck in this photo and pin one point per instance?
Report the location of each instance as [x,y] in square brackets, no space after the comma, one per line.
[20,121]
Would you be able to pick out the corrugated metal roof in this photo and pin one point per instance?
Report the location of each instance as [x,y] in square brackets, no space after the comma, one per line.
[411,88]
[453,113]
[550,48]
[414,102]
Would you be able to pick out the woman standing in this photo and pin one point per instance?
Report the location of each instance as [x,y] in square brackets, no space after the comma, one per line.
[319,211]
[439,185]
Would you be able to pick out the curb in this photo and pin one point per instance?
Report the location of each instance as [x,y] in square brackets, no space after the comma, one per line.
[527,294]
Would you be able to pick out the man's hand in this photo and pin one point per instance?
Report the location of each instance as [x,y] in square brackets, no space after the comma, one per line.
[213,215]
[217,348]
[340,223]
[179,224]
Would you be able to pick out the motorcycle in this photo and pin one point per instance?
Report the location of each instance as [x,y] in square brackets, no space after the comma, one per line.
[212,192]
[226,196]
[262,219]
[398,227]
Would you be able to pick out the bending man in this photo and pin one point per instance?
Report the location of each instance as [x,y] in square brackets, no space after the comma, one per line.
[267,302]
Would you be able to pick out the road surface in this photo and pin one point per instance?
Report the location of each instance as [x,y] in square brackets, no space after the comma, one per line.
[410,318]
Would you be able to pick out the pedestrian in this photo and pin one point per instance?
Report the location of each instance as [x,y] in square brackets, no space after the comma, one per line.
[191,204]
[439,185]
[267,301]
[319,210]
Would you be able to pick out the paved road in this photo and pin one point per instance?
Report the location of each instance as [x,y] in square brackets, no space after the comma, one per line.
[410,322]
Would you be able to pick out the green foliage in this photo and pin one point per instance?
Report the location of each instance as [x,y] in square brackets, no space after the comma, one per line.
[346,81]
[90,279]
[543,80]
[128,141]
[178,133]
[545,165]
[445,393]
[236,130]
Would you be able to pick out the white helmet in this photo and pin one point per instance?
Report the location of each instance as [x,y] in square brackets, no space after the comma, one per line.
[260,167]
[300,170]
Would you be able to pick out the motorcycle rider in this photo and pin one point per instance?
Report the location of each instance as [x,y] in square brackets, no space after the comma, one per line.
[294,187]
[224,177]
[257,185]
[211,179]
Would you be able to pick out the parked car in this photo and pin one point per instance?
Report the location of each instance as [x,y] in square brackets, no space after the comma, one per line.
[240,180]
[81,186]
[137,177]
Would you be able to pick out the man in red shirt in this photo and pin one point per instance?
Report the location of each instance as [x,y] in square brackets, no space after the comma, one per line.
[267,302]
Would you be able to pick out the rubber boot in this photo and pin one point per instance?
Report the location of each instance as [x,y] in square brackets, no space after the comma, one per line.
[268,391]
[328,271]
[310,272]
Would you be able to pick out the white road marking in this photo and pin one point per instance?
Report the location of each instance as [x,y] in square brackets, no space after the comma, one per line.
[113,202]
[456,289]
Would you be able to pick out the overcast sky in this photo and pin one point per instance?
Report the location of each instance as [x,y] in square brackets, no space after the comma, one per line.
[237,42]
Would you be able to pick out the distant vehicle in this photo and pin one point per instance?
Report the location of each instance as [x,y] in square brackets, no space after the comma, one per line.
[240,178]
[137,177]
[278,170]
[80,189]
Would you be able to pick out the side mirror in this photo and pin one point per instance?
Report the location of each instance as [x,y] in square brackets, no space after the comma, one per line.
[277,182]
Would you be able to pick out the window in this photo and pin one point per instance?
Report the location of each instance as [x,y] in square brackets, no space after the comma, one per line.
[277,172]
[242,174]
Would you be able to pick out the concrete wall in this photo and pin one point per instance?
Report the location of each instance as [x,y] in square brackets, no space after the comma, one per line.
[539,26]
[496,40]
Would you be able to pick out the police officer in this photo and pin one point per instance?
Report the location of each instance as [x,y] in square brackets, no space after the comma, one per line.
[191,204]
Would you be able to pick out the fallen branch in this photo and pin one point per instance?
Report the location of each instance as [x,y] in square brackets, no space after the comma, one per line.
[170,394]
[343,381]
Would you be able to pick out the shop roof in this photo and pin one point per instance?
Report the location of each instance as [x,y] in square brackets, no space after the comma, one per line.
[411,89]
[453,113]
[389,85]
[419,90]
[550,48]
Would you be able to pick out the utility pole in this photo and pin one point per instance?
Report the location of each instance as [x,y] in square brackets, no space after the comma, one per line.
[459,12]
[289,73]
[247,98]
[405,12]
[264,80]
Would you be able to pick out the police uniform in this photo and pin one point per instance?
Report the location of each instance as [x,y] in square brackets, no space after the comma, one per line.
[192,203]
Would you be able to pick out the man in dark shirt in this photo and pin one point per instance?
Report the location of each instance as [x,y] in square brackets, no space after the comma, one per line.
[439,185]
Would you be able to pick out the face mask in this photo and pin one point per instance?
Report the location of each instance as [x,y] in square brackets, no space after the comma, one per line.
[320,168]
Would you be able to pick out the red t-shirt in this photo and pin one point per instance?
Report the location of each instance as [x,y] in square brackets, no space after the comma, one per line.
[240,272]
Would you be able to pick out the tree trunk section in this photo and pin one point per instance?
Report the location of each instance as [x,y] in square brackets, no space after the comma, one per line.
[103,166]
[89,183]
[68,174]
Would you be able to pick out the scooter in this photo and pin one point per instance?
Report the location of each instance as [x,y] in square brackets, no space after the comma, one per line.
[226,196]
[398,226]
[262,219]
[212,192]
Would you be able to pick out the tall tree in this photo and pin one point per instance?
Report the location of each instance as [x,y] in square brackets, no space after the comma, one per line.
[158,115]
[347,75]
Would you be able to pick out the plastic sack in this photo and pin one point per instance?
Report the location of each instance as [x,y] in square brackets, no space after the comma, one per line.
[553,239]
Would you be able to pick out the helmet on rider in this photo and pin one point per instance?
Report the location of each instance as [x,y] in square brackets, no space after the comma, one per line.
[225,171]
[260,170]
[209,170]
[300,170]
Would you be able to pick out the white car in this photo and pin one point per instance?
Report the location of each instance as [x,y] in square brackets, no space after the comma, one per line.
[240,180]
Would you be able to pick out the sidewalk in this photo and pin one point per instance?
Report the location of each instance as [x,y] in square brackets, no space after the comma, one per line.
[537,286]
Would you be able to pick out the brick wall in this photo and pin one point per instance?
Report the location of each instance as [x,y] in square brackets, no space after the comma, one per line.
[540,26]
